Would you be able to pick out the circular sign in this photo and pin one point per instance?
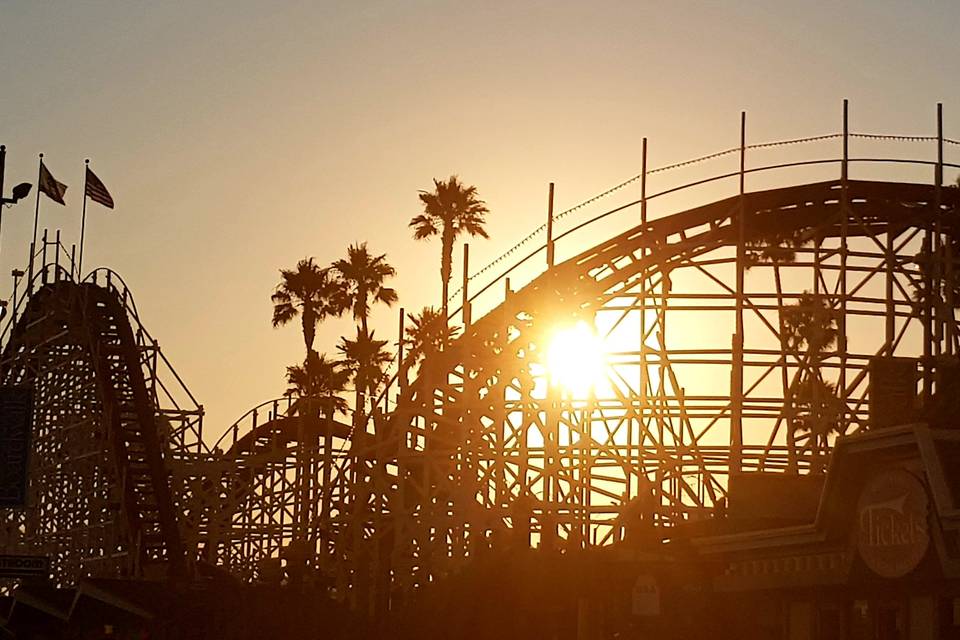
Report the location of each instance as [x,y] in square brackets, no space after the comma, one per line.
[892,533]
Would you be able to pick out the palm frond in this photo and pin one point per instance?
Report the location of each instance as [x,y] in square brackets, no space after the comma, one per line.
[283,313]
[424,227]
[362,276]
[308,291]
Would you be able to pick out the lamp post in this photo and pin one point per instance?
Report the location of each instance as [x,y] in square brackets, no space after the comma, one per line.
[19,193]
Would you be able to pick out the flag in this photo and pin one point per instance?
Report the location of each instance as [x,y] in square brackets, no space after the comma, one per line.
[96,191]
[50,186]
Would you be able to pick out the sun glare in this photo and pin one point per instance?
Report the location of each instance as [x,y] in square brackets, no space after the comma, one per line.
[576,359]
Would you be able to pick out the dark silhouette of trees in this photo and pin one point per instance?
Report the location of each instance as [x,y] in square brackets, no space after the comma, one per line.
[320,380]
[772,243]
[363,276]
[308,292]
[313,294]
[365,359]
[814,410]
[450,210]
[428,335]
[810,325]
[932,262]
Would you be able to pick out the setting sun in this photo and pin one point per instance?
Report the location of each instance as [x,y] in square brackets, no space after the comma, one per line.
[575,359]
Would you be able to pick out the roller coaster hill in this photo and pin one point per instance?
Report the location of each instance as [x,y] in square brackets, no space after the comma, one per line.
[764,328]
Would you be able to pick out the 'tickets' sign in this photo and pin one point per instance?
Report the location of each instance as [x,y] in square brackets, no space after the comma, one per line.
[892,531]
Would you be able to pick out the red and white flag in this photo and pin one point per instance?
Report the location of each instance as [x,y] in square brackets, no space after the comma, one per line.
[96,191]
[50,186]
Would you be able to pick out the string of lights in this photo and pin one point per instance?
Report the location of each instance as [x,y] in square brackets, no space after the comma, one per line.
[686,163]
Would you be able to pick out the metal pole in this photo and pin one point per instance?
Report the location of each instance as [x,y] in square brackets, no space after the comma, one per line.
[550,228]
[3,164]
[36,222]
[83,217]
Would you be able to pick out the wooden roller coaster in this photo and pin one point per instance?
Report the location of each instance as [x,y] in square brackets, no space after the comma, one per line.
[738,337]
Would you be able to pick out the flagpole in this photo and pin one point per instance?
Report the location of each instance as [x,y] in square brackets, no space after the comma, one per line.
[3,166]
[83,217]
[36,221]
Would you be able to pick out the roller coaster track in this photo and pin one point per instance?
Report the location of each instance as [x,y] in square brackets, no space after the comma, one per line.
[100,494]
[474,409]
[481,450]
[272,475]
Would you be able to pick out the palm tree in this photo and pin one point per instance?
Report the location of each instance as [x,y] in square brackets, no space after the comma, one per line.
[773,243]
[309,292]
[319,379]
[428,335]
[810,325]
[363,276]
[815,411]
[450,210]
[365,358]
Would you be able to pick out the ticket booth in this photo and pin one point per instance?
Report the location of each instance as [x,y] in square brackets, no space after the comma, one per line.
[880,559]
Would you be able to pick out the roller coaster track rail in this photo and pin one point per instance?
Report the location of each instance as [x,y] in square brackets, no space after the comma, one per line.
[547,245]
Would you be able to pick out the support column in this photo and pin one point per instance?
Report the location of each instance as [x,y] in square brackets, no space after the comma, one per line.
[845,212]
[550,254]
[736,377]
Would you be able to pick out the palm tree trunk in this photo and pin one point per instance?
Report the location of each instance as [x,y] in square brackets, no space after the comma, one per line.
[362,298]
[446,264]
[309,322]
[358,409]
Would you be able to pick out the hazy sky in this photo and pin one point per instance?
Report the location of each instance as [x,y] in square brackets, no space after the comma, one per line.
[238,137]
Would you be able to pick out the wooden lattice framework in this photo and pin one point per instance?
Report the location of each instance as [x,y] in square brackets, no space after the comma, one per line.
[101,499]
[481,451]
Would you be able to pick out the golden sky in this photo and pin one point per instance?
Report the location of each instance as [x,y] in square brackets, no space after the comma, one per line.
[238,137]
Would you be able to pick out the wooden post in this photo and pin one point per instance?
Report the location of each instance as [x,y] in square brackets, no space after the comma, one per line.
[643,185]
[43,259]
[642,376]
[948,246]
[736,375]
[401,365]
[56,258]
[929,283]
[550,228]
[463,288]
[845,213]
[939,315]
